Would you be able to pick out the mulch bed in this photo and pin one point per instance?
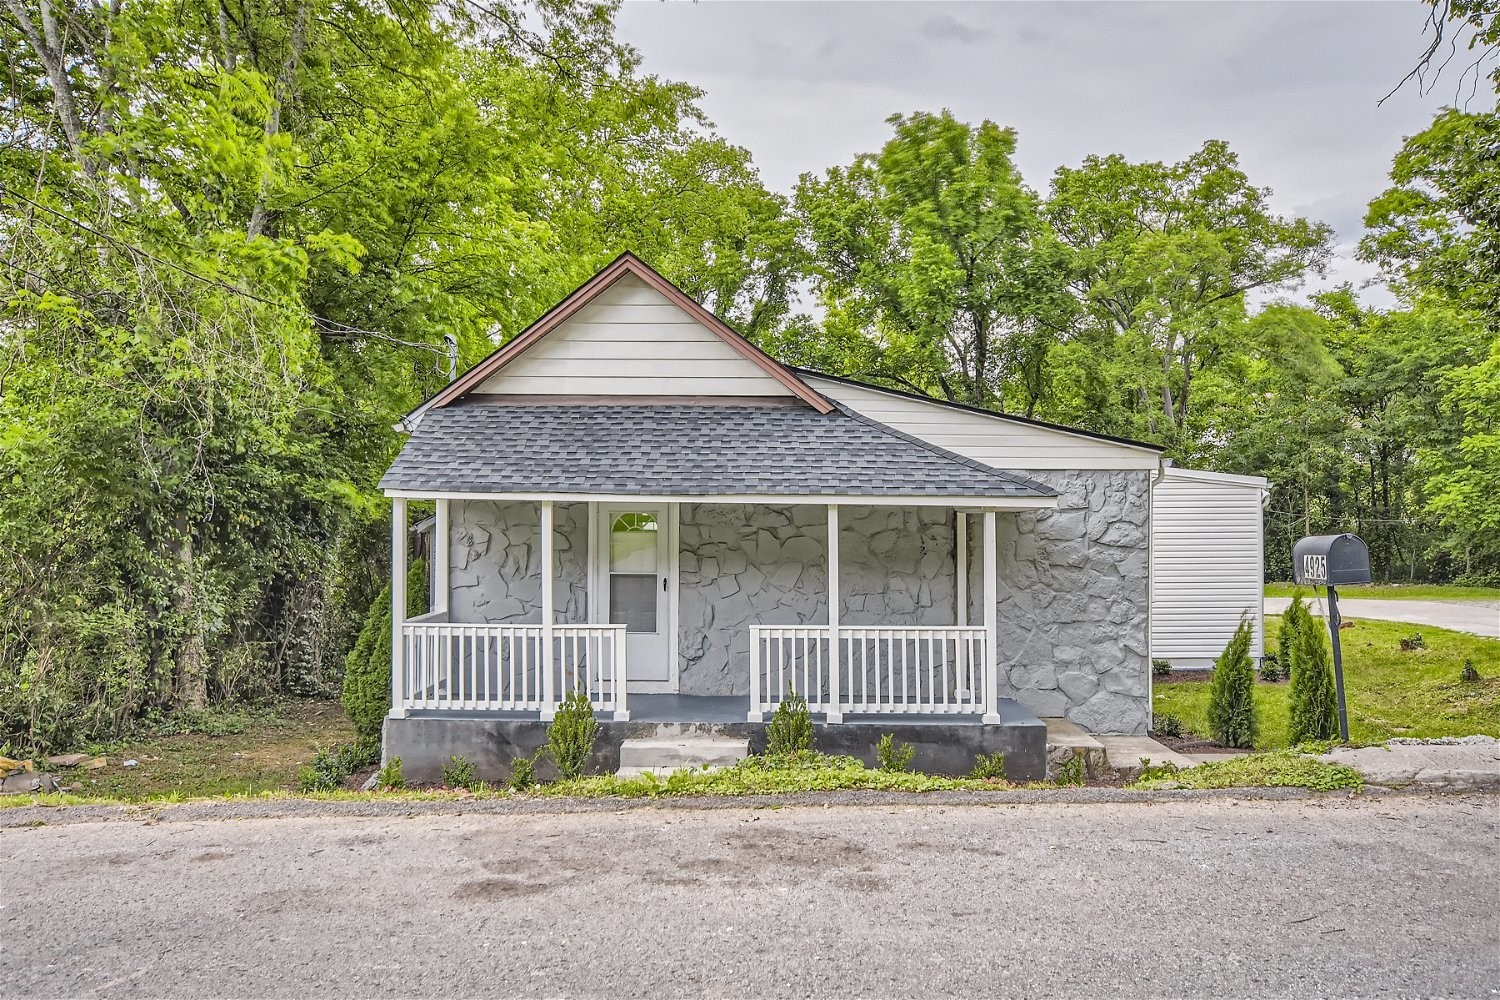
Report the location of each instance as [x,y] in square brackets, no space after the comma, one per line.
[1188,743]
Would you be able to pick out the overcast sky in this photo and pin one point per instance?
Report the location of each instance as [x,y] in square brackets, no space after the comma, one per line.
[1291,86]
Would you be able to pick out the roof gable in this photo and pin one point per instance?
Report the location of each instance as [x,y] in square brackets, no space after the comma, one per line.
[629,332]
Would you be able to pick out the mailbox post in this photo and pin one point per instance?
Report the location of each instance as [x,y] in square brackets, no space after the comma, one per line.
[1329,560]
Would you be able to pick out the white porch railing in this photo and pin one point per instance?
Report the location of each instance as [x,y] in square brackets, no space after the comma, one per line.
[463,667]
[917,670]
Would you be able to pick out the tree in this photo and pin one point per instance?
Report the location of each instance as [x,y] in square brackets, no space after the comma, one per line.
[932,254]
[1161,258]
[1231,700]
[1314,708]
[1294,620]
[367,668]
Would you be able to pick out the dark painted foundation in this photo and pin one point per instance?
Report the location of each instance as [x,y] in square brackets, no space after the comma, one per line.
[491,741]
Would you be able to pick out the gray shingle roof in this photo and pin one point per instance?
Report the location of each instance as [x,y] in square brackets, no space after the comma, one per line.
[688,450]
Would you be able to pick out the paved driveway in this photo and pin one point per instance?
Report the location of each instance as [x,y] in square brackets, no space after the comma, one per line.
[1478,617]
[1393,895]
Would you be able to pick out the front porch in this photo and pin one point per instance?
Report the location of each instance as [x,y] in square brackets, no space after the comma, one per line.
[812,620]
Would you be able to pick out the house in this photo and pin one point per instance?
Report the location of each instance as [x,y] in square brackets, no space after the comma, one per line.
[633,500]
[1207,564]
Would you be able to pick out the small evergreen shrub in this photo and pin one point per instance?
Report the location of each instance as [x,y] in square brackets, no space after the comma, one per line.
[1270,668]
[790,730]
[893,756]
[523,773]
[1314,713]
[459,773]
[1161,668]
[367,668]
[389,777]
[1469,675]
[1166,725]
[1231,696]
[571,737]
[988,766]
[1293,620]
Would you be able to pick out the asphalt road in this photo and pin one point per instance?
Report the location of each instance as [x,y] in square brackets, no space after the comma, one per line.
[1478,617]
[1393,895]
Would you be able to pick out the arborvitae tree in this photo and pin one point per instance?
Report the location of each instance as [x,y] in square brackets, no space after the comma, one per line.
[367,670]
[1293,620]
[1314,701]
[1231,699]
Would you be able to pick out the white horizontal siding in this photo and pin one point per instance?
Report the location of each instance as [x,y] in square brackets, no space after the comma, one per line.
[991,439]
[632,341]
[1206,564]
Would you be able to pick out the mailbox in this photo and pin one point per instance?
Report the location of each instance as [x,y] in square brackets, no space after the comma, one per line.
[1331,560]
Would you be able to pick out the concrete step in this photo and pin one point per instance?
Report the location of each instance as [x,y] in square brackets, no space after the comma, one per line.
[670,753]
[1065,742]
[1125,753]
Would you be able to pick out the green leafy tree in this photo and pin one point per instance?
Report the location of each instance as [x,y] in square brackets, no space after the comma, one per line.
[1231,700]
[1293,621]
[933,264]
[1314,700]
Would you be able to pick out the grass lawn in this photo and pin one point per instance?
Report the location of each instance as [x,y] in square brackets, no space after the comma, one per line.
[223,752]
[1396,591]
[1390,692]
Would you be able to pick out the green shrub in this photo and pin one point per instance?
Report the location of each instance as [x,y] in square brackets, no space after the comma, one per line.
[1270,668]
[790,730]
[367,668]
[331,766]
[1166,725]
[1161,668]
[389,777]
[1231,696]
[523,772]
[1469,675]
[459,773]
[1314,711]
[1071,772]
[988,766]
[1413,642]
[571,737]
[1293,620]
[893,756]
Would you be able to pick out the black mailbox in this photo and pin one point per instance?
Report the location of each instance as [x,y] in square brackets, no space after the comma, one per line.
[1334,560]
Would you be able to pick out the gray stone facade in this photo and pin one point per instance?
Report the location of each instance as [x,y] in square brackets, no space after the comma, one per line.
[1072,589]
[1073,601]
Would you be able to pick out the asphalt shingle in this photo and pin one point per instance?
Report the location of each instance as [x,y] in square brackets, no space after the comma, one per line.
[688,450]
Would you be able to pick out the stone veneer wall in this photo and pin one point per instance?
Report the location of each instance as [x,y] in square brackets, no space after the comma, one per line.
[495,556]
[1072,588]
[749,564]
[1073,600]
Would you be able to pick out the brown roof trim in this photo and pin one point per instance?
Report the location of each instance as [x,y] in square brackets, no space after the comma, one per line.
[626,263]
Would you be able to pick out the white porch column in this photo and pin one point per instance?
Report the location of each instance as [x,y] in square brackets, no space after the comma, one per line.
[549,682]
[398,607]
[835,645]
[961,567]
[439,568]
[991,621]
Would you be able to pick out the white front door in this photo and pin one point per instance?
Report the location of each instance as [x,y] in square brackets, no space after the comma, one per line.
[635,584]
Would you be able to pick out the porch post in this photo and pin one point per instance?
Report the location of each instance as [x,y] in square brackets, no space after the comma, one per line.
[439,568]
[835,645]
[961,567]
[991,621]
[398,607]
[549,682]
